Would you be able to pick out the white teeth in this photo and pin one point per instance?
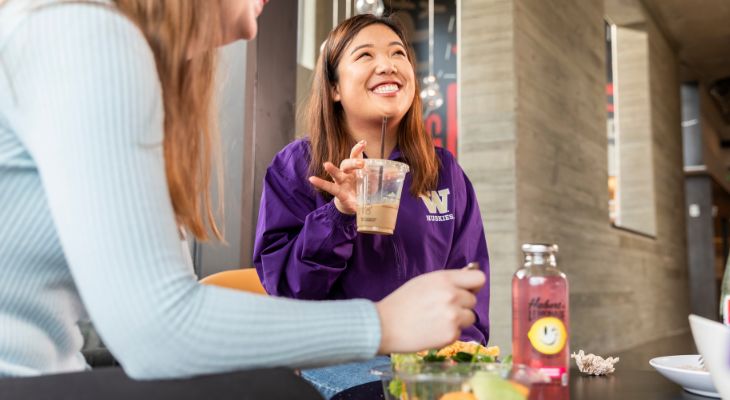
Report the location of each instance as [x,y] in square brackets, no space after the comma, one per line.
[389,88]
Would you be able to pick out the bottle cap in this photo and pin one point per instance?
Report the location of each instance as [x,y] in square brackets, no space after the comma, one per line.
[539,248]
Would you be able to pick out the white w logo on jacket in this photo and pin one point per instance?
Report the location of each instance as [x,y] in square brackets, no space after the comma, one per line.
[437,201]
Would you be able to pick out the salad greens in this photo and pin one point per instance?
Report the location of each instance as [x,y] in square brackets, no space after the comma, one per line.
[396,387]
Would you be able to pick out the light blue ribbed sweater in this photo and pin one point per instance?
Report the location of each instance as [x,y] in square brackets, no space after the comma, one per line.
[86,223]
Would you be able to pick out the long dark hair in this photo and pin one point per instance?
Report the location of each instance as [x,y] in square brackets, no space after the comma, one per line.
[325,118]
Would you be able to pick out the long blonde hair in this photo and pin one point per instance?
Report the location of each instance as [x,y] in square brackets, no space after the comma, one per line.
[191,140]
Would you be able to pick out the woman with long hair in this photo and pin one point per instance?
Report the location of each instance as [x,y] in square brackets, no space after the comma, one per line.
[107,144]
[307,243]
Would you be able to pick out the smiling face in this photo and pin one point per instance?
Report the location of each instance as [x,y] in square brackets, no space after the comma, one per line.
[548,335]
[375,76]
[239,18]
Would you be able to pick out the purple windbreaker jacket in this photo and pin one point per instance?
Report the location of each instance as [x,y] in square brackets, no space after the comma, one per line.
[306,249]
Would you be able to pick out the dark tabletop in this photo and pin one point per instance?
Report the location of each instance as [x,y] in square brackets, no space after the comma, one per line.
[634,378]
[113,384]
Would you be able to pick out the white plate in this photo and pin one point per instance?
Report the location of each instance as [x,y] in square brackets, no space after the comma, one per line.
[713,341]
[684,371]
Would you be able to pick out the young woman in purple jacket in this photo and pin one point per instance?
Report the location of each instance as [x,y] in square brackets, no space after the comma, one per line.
[307,244]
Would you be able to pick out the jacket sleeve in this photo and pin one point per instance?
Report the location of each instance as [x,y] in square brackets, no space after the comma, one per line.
[470,245]
[300,249]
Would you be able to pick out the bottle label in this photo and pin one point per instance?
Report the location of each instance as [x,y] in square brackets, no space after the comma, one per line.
[538,308]
[725,309]
[548,335]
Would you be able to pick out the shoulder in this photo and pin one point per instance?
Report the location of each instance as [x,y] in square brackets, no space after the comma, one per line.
[443,154]
[446,160]
[62,58]
[36,17]
[450,172]
[293,160]
[80,36]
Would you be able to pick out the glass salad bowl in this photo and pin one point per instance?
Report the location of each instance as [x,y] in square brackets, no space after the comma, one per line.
[452,380]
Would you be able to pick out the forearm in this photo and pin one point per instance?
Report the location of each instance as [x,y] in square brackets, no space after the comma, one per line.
[214,330]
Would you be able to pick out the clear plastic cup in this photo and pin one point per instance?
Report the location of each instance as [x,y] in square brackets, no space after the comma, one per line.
[379,186]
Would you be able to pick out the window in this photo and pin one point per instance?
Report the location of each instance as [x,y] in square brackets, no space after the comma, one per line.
[611,125]
[630,157]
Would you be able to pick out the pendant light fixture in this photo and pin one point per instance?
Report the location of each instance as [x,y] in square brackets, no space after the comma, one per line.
[431,93]
[375,7]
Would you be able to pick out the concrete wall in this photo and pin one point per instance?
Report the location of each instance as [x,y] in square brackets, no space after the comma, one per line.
[533,141]
[487,139]
[213,256]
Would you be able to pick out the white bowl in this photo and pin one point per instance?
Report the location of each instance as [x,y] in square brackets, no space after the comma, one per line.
[713,341]
[686,372]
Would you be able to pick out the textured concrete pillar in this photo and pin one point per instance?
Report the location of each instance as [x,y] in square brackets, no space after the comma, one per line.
[487,140]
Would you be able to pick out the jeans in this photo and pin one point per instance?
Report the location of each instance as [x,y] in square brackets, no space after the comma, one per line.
[332,380]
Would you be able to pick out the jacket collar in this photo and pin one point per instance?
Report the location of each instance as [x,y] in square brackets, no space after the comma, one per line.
[395,155]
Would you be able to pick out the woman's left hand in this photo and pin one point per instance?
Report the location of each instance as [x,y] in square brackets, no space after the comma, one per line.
[343,188]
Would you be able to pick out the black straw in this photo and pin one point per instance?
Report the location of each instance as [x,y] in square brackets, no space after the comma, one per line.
[382,155]
[382,138]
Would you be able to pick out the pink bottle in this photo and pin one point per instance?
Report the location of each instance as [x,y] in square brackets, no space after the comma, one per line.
[540,317]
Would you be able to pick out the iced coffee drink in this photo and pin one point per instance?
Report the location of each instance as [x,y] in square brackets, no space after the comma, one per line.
[379,186]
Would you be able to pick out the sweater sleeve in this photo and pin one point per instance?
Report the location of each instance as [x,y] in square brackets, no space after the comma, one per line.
[470,245]
[300,249]
[89,111]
